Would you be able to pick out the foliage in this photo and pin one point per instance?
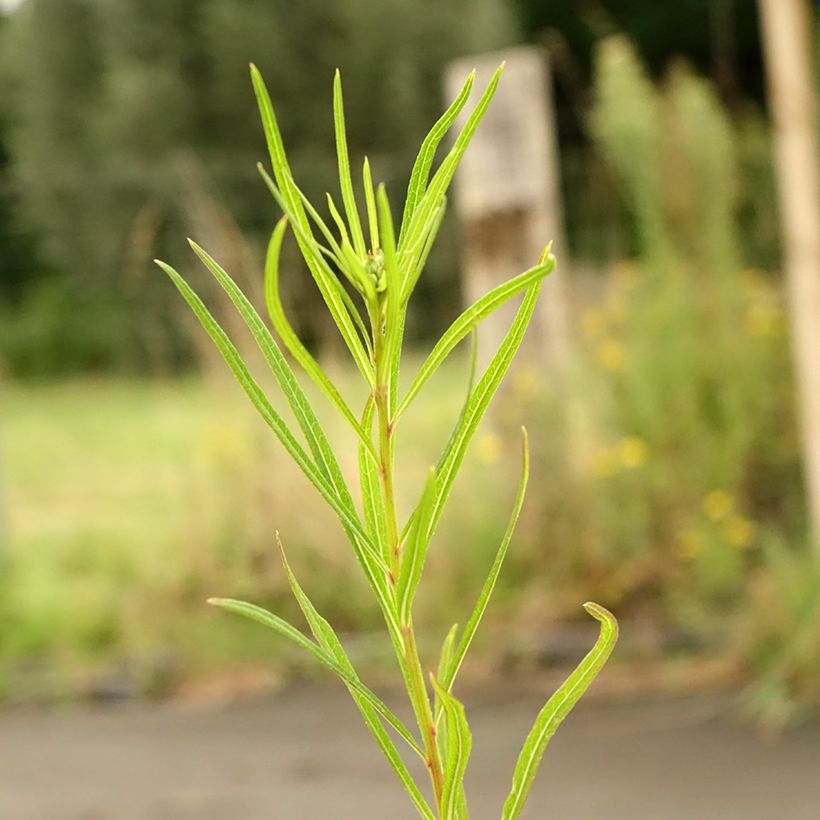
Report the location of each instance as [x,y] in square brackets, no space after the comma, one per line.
[383,270]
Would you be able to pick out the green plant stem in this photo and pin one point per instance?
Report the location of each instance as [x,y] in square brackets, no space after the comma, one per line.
[410,662]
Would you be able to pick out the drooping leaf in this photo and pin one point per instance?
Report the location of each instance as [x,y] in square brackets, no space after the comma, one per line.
[329,641]
[262,616]
[367,555]
[557,708]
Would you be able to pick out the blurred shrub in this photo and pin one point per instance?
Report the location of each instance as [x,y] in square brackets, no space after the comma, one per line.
[685,451]
[781,637]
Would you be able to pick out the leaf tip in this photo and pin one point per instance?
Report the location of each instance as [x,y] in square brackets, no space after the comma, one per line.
[601,614]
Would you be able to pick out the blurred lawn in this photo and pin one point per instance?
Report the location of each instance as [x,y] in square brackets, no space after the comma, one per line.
[129,502]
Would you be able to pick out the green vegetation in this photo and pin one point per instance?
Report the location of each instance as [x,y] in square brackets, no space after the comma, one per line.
[671,490]
[384,270]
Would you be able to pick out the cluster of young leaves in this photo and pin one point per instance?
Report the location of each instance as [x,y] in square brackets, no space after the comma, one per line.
[383,273]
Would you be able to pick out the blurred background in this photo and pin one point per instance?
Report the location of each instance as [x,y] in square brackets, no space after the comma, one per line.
[134,480]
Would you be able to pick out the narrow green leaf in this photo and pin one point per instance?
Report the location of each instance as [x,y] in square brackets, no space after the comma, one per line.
[329,286]
[445,660]
[557,708]
[371,494]
[454,452]
[458,745]
[392,294]
[469,319]
[276,149]
[414,259]
[370,560]
[345,179]
[424,160]
[372,216]
[449,671]
[303,412]
[293,343]
[415,551]
[262,616]
[290,199]
[329,641]
[444,175]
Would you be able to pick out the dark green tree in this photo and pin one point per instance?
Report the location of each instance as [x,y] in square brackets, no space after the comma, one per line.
[133,118]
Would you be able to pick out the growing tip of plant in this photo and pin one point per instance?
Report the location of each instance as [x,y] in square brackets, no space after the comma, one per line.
[545,253]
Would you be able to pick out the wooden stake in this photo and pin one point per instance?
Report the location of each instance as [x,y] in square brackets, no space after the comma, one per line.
[786,32]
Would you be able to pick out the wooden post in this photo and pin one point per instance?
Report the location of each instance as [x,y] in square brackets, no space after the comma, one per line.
[786,33]
[508,196]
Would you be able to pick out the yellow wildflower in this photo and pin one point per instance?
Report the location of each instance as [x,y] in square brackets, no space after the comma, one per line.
[738,531]
[633,452]
[611,354]
[718,504]
[764,321]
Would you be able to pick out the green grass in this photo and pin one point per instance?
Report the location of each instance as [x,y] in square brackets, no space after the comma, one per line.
[128,502]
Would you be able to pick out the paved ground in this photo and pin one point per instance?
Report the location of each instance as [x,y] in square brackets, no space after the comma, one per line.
[302,755]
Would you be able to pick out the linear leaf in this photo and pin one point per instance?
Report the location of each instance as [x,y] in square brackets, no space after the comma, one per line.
[262,616]
[292,342]
[557,708]
[415,551]
[305,416]
[450,669]
[371,562]
[329,286]
[392,294]
[469,319]
[453,454]
[424,160]
[458,744]
[329,641]
[446,657]
[371,494]
[276,149]
[444,175]
[414,259]
[370,200]
[345,179]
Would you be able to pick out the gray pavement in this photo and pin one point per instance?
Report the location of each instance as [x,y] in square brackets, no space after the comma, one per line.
[302,755]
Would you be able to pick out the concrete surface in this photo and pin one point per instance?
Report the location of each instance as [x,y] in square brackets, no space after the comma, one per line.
[303,755]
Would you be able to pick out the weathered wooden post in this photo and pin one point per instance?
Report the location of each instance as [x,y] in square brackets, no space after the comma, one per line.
[508,194]
[786,40]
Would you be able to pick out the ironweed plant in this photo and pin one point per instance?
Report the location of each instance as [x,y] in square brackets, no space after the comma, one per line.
[382,269]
